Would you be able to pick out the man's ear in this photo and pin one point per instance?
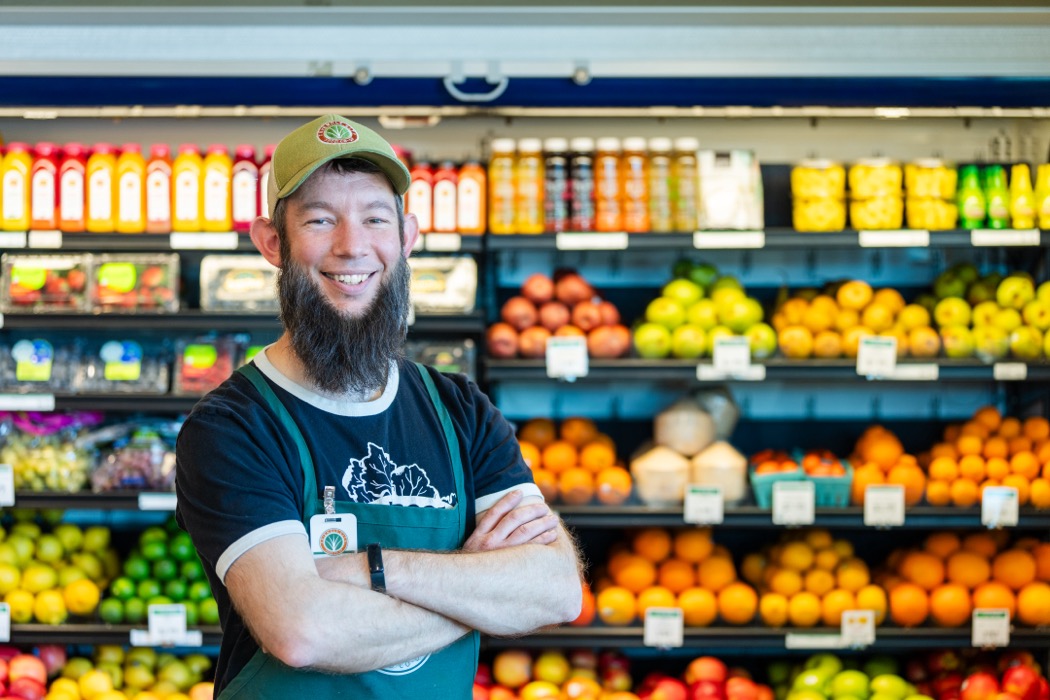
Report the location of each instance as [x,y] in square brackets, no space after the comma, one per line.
[411,233]
[264,236]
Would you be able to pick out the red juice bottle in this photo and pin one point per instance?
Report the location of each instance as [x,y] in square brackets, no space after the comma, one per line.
[420,200]
[264,181]
[446,181]
[158,189]
[44,188]
[72,188]
[245,188]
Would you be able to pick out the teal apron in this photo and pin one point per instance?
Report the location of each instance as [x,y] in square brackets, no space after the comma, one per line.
[446,673]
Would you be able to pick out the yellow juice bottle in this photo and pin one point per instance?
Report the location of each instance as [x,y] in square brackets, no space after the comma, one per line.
[186,174]
[1042,196]
[529,185]
[14,186]
[217,194]
[131,189]
[102,189]
[501,187]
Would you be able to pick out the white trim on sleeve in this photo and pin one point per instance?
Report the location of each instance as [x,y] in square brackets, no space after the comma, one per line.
[531,492]
[264,533]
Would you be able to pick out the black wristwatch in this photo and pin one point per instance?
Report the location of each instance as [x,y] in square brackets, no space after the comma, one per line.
[375,567]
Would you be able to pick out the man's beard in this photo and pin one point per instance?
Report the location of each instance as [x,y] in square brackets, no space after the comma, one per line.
[341,353]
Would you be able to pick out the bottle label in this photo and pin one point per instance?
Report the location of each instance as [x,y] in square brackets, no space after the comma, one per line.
[445,206]
[130,202]
[245,197]
[216,195]
[72,196]
[158,197]
[186,191]
[100,195]
[581,195]
[43,200]
[556,200]
[264,191]
[14,195]
[420,203]
[468,209]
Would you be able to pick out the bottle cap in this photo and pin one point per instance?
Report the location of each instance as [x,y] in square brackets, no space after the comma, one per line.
[217,149]
[503,145]
[687,143]
[582,144]
[529,145]
[104,149]
[74,150]
[447,165]
[46,149]
[660,144]
[608,143]
[188,148]
[160,150]
[130,148]
[555,145]
[245,151]
[634,144]
[18,147]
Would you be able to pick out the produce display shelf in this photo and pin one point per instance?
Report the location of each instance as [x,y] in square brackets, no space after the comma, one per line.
[127,402]
[93,633]
[109,500]
[776,369]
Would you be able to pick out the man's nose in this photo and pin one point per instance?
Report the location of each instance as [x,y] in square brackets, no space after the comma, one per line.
[349,240]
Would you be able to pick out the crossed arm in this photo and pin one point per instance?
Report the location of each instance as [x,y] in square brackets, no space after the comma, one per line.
[517,572]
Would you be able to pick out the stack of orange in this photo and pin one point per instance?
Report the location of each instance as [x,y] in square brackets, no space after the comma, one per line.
[952,575]
[809,578]
[879,458]
[573,462]
[990,450]
[683,569]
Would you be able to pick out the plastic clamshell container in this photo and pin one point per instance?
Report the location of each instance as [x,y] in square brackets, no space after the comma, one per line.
[931,214]
[201,364]
[444,285]
[879,213]
[46,283]
[455,357]
[818,215]
[37,365]
[875,177]
[762,484]
[930,177]
[136,283]
[119,366]
[238,283]
[830,491]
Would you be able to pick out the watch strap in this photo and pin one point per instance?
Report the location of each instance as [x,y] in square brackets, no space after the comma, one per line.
[375,567]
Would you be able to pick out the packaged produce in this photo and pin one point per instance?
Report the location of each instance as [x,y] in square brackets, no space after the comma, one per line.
[44,450]
[456,357]
[201,364]
[877,213]
[931,214]
[444,285]
[124,366]
[818,215]
[135,283]
[768,467]
[818,192]
[684,427]
[37,365]
[238,283]
[875,177]
[730,191]
[719,464]
[141,456]
[42,283]
[930,178]
[660,475]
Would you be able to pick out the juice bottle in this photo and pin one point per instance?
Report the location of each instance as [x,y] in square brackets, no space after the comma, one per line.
[102,189]
[660,185]
[72,188]
[158,189]
[14,175]
[528,187]
[608,188]
[264,181]
[245,186]
[44,188]
[685,186]
[997,196]
[1022,198]
[131,189]
[634,169]
[972,204]
[186,175]
[216,198]
[581,184]
[1042,195]
[501,187]
[446,180]
[556,185]
[420,196]
[470,199]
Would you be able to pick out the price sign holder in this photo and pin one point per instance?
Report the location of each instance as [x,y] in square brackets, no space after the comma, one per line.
[166,624]
[999,506]
[904,238]
[567,358]
[982,237]
[664,628]
[616,240]
[794,503]
[990,627]
[734,240]
[7,485]
[802,640]
[704,505]
[858,628]
[27,402]
[204,240]
[1010,371]
[884,505]
[732,356]
[443,242]
[45,239]
[157,501]
[877,356]
[915,372]
[5,623]
[13,239]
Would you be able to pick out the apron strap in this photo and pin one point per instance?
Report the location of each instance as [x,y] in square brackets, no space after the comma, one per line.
[451,442]
[252,374]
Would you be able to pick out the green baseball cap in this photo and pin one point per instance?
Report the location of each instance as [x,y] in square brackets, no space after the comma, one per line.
[326,138]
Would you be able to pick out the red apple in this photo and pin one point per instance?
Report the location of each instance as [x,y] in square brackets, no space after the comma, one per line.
[533,342]
[498,692]
[1044,689]
[8,652]
[616,678]
[979,686]
[669,689]
[947,683]
[519,312]
[1006,696]
[483,676]
[502,340]
[53,656]
[946,660]
[764,691]
[480,692]
[610,314]
[705,668]
[554,315]
[27,689]
[608,341]
[915,671]
[1015,657]
[613,659]
[587,315]
[1021,681]
[571,289]
[924,688]
[27,666]
[739,688]
[3,673]
[538,289]
[707,690]
[738,672]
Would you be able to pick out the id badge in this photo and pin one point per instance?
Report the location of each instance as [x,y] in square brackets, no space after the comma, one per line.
[333,534]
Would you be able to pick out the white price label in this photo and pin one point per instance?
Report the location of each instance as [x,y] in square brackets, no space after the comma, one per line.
[708,373]
[157,501]
[999,506]
[983,237]
[803,640]
[1010,371]
[567,357]
[904,238]
[7,485]
[794,503]
[732,355]
[990,627]
[858,628]
[12,239]
[167,623]
[884,505]
[704,505]
[617,240]
[27,402]
[419,244]
[664,628]
[915,372]
[45,239]
[204,240]
[877,356]
[5,623]
[141,638]
[720,240]
[443,242]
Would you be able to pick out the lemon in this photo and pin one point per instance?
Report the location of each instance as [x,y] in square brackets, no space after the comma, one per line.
[68,574]
[139,676]
[8,554]
[65,685]
[10,578]
[163,689]
[49,549]
[23,547]
[76,667]
[89,564]
[71,536]
[49,607]
[94,683]
[39,577]
[21,604]
[61,695]
[111,695]
[145,695]
[81,597]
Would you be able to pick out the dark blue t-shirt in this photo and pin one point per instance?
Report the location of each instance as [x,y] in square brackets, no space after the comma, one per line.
[239,480]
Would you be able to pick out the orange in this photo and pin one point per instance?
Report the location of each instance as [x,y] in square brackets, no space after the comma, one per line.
[834,604]
[653,543]
[1036,428]
[844,548]
[818,581]
[635,575]
[1020,444]
[604,439]
[943,468]
[655,597]
[773,609]
[752,568]
[539,431]
[613,485]
[996,447]
[1041,552]
[588,609]
[737,603]
[597,456]
[716,573]
[826,559]
[1025,464]
[911,478]
[797,556]
[923,569]
[578,431]
[952,433]
[938,493]
[699,606]
[995,595]
[942,544]
[786,582]
[943,449]
[1015,568]
[884,450]
[909,605]
[852,575]
[531,454]
[576,486]
[981,542]
[1021,484]
[968,569]
[693,545]
[804,609]
[1039,493]
[963,493]
[547,483]
[1042,450]
[818,538]
[997,468]
[558,456]
[969,445]
[974,428]
[873,598]
[950,605]
[1033,604]
[890,298]
[1010,428]
[676,575]
[972,467]
[862,478]
[616,606]
[1028,544]
[989,416]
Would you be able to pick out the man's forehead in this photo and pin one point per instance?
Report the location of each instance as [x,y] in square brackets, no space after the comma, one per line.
[328,184]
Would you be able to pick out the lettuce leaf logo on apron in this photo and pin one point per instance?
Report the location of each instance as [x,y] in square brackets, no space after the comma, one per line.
[376,478]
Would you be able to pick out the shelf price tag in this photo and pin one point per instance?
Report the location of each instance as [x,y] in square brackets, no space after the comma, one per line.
[720,240]
[7,485]
[805,640]
[858,628]
[982,237]
[793,503]
[1010,371]
[664,628]
[990,627]
[915,372]
[5,622]
[12,239]
[903,238]
[616,240]
[567,358]
[999,506]
[167,623]
[877,356]
[204,240]
[45,239]
[443,242]
[157,501]
[27,402]
[732,355]
[704,505]
[884,505]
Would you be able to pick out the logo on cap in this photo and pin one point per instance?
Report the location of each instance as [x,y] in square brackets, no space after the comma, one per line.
[336,132]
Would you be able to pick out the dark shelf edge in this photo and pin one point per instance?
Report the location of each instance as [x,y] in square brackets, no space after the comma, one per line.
[92,633]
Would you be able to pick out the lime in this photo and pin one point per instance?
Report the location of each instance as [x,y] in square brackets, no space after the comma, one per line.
[154,551]
[122,588]
[199,590]
[76,667]
[165,569]
[134,610]
[176,590]
[136,568]
[181,547]
[96,539]
[147,589]
[111,610]
[49,607]
[71,536]
[26,529]
[21,604]
[39,577]
[153,534]
[89,563]
[109,653]
[192,616]
[49,549]
[23,547]
[69,574]
[192,571]
[158,600]
[10,578]
[172,525]
[209,612]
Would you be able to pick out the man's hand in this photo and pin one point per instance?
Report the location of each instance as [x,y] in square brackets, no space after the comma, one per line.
[507,525]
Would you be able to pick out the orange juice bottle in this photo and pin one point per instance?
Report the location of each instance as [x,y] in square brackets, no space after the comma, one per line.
[43,199]
[528,187]
[660,185]
[131,190]
[216,195]
[14,176]
[501,187]
[102,189]
[186,175]
[72,188]
[634,169]
[470,199]
[608,187]
[685,187]
[446,182]
[158,189]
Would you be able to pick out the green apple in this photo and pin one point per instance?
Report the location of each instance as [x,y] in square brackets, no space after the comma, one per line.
[1008,319]
[952,311]
[763,340]
[850,683]
[1037,313]
[684,291]
[824,662]
[965,271]
[990,343]
[889,685]
[726,295]
[981,290]
[1015,291]
[927,301]
[984,313]
[667,312]
[714,334]
[726,282]
[652,340]
[688,341]
[778,672]
[947,285]
[957,342]
[880,665]
[1026,343]
[704,274]
[812,679]
[740,315]
[703,313]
